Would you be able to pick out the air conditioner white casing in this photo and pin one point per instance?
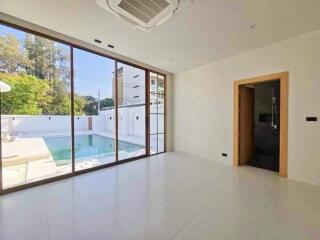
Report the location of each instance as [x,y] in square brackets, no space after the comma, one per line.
[145,14]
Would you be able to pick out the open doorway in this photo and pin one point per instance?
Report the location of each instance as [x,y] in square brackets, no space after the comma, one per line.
[260,122]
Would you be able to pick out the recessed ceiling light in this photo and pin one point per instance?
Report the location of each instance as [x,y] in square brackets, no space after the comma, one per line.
[97,40]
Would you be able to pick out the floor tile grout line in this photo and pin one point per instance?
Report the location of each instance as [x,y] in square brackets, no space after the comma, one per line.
[73,209]
[29,226]
[188,219]
[126,232]
[117,220]
[47,219]
[199,211]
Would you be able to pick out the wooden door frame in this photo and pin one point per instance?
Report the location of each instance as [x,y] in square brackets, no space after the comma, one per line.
[283,77]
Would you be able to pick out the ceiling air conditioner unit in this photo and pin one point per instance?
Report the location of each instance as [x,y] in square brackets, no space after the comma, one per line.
[146,14]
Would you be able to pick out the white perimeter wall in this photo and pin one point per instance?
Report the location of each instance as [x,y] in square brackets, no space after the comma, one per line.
[131,122]
[203,103]
[33,124]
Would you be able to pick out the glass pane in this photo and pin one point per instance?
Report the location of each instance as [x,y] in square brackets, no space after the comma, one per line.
[160,103]
[131,111]
[94,122]
[153,103]
[153,82]
[153,144]
[160,84]
[160,123]
[153,123]
[160,143]
[35,108]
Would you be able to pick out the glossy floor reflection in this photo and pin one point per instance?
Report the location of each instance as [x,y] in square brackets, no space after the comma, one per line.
[170,196]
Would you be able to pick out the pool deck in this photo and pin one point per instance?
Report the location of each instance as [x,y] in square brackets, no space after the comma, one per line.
[28,159]
[23,151]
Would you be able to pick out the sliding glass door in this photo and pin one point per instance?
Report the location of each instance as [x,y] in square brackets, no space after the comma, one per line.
[35,88]
[131,106]
[94,112]
[65,110]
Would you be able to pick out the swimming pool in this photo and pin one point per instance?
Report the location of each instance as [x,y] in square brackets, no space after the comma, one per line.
[86,147]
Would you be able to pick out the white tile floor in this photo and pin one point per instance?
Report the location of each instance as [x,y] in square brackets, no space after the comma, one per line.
[171,196]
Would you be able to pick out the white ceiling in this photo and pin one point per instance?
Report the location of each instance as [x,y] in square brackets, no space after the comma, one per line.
[203,32]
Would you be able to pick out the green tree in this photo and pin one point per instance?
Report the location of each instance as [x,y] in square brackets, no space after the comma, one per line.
[31,96]
[26,95]
[79,104]
[50,60]
[13,58]
[40,73]
[59,102]
[107,102]
[91,106]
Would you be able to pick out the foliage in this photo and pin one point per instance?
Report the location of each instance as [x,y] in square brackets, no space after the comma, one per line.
[49,59]
[59,102]
[79,105]
[30,95]
[13,59]
[38,71]
[91,106]
[107,102]
[27,92]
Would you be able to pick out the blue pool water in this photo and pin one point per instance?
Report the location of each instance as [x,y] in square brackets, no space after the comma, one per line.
[86,146]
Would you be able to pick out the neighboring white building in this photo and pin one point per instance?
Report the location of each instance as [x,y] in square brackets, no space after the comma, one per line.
[131,85]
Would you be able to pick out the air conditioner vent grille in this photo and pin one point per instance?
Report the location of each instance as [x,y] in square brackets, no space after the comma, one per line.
[144,14]
[144,10]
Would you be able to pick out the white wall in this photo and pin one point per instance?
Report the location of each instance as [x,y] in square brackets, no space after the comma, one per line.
[131,123]
[37,124]
[131,120]
[203,103]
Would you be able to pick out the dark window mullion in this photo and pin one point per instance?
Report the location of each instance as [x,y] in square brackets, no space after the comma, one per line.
[157,113]
[72,112]
[147,111]
[116,112]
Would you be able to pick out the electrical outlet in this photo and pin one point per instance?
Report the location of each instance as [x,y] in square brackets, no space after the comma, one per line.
[311,119]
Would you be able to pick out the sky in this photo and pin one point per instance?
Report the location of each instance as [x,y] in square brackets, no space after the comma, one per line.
[92,73]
